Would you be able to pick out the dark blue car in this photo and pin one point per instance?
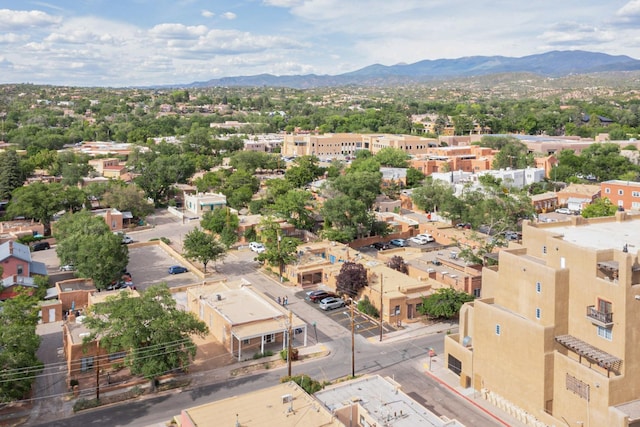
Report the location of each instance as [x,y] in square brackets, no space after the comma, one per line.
[177,269]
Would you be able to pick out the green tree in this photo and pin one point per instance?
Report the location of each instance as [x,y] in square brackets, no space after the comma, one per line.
[293,207]
[85,241]
[159,174]
[444,303]
[203,247]
[154,333]
[351,278]
[433,195]
[304,171]
[279,250]
[392,157]
[598,208]
[11,176]
[414,177]
[128,198]
[361,185]
[346,218]
[19,343]
[38,201]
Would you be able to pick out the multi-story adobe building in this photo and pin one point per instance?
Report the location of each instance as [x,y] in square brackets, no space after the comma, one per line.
[469,158]
[554,340]
[625,194]
[346,144]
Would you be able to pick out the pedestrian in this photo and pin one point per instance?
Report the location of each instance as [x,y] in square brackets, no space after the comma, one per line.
[286,300]
[279,301]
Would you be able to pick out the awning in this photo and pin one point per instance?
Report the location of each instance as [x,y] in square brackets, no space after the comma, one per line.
[52,293]
[602,358]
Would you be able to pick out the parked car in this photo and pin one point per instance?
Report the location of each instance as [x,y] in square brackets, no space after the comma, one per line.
[126,240]
[427,236]
[418,240]
[257,247]
[380,246]
[465,225]
[331,303]
[565,211]
[177,269]
[40,246]
[398,242]
[512,235]
[68,267]
[321,295]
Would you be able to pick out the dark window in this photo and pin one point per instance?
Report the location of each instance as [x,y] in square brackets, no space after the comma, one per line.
[455,365]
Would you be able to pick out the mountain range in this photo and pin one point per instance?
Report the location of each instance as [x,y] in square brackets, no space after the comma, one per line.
[549,64]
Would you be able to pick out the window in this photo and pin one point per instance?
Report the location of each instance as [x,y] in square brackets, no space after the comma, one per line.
[20,269]
[544,249]
[246,342]
[635,193]
[538,313]
[476,292]
[86,364]
[269,338]
[116,356]
[620,192]
[538,287]
[397,310]
[607,190]
[497,329]
[604,306]
[605,333]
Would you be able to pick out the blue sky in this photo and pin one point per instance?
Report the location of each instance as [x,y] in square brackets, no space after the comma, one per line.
[149,42]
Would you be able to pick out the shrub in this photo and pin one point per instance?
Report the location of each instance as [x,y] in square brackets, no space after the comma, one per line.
[365,306]
[294,354]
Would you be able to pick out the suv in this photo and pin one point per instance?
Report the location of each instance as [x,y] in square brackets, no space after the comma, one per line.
[317,297]
[256,247]
[40,246]
[428,237]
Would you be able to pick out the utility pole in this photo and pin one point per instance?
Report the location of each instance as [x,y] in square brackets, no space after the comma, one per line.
[289,344]
[98,376]
[381,288]
[353,343]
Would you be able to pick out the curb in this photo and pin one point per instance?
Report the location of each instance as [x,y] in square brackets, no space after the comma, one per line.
[480,407]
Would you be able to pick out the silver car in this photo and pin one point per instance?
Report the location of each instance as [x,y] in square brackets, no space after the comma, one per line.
[331,303]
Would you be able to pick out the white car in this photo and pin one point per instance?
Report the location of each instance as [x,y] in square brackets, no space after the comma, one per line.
[418,240]
[257,247]
[126,240]
[331,303]
[67,267]
[565,211]
[427,236]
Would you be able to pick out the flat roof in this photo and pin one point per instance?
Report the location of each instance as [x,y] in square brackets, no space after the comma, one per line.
[383,401]
[240,304]
[602,235]
[281,405]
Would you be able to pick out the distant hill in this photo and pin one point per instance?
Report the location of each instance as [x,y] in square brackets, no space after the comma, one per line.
[550,64]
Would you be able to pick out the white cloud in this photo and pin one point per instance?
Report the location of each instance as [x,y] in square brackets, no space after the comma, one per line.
[13,38]
[18,19]
[576,34]
[207,13]
[282,3]
[229,15]
[181,31]
[631,9]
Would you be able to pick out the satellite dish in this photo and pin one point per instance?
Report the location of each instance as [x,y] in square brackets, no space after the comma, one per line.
[466,341]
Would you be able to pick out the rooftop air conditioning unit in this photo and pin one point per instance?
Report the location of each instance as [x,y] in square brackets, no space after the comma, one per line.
[84,334]
[218,297]
[286,398]
[430,270]
[453,276]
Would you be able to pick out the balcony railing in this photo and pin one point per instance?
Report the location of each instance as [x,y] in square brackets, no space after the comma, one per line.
[599,317]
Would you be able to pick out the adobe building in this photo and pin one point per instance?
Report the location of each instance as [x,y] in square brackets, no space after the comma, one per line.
[346,144]
[577,196]
[625,194]
[285,404]
[377,401]
[243,319]
[554,339]
[83,358]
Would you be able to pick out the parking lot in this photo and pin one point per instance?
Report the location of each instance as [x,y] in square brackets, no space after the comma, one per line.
[149,265]
[362,324]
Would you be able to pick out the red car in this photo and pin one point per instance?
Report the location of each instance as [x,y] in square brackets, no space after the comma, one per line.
[319,296]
